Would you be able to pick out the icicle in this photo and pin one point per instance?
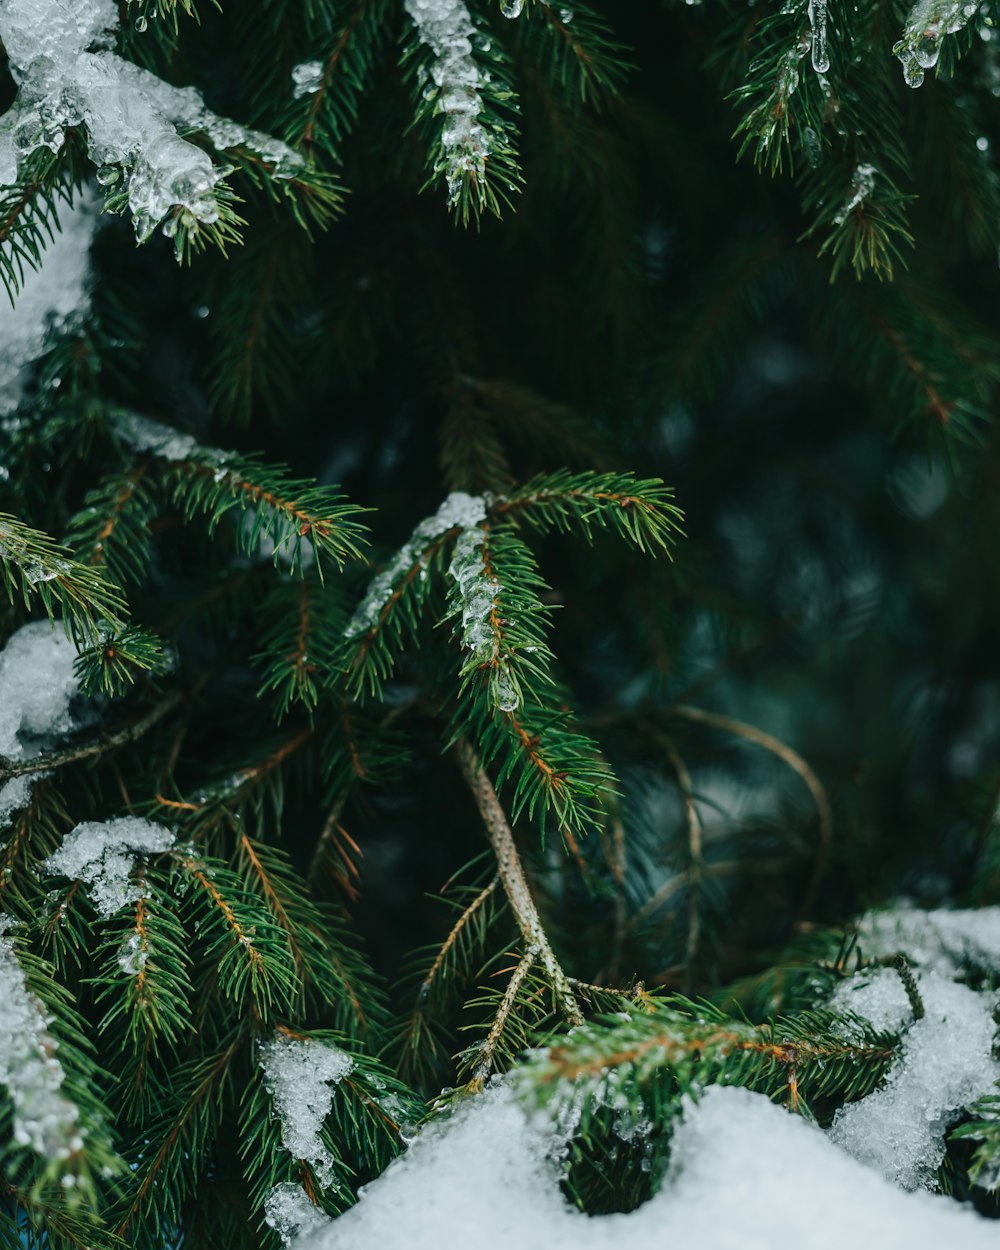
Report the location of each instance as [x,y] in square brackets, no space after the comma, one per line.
[44,1120]
[927,23]
[818,21]
[511,8]
[446,28]
[862,185]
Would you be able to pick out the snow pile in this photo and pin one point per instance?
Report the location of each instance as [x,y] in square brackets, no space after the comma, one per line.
[744,1173]
[927,23]
[59,54]
[446,28]
[37,683]
[946,1063]
[51,299]
[43,1119]
[103,856]
[300,1075]
[459,511]
[939,941]
[292,1213]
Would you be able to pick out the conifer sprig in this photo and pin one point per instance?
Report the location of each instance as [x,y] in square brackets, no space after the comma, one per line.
[642,511]
[37,571]
[653,1057]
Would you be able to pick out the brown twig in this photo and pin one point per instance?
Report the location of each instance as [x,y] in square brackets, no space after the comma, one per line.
[696,863]
[512,875]
[794,762]
[85,751]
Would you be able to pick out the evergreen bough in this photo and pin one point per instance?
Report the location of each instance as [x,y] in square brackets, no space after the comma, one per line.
[269,668]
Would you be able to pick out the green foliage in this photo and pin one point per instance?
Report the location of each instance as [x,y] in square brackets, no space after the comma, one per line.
[791,322]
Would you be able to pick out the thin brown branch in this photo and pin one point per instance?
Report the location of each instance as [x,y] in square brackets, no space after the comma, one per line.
[695,863]
[456,932]
[488,1052]
[88,750]
[794,761]
[515,883]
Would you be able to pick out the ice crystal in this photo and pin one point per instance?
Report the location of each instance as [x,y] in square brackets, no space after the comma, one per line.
[862,185]
[927,23]
[290,1212]
[459,511]
[307,78]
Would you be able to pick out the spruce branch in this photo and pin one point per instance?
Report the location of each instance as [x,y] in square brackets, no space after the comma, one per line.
[512,875]
[680,1047]
[639,510]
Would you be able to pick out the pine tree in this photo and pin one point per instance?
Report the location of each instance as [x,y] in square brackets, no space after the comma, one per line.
[347,341]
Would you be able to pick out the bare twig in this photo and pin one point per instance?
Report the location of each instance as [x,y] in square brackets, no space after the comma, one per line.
[456,931]
[794,762]
[515,883]
[695,863]
[87,750]
[507,1004]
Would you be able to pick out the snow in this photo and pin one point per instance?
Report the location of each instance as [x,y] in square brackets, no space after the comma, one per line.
[291,1213]
[103,856]
[926,25]
[52,298]
[44,1120]
[144,434]
[459,511]
[744,1175]
[301,1075]
[862,185]
[307,78]
[946,1063]
[135,123]
[446,28]
[37,684]
[942,940]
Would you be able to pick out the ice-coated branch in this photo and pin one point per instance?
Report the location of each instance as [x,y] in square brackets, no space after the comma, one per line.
[446,28]
[60,53]
[515,883]
[927,23]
